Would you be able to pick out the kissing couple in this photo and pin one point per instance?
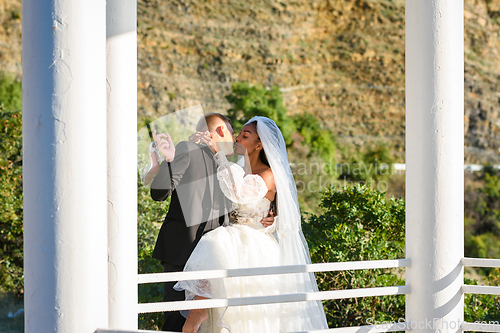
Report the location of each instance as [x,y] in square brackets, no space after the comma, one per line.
[225,216]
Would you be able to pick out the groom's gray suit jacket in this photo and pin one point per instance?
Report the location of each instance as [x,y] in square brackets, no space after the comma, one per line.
[197,203]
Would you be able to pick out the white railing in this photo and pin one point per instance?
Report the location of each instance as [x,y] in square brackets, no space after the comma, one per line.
[480,327]
[392,327]
[312,296]
[312,268]
[484,290]
[322,295]
[467,167]
[479,262]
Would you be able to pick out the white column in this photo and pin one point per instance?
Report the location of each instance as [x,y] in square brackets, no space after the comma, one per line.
[122,162]
[434,163]
[64,165]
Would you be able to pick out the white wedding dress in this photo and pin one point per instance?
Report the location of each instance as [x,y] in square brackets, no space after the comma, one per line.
[244,243]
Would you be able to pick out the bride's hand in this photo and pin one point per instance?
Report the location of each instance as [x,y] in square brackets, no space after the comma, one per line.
[269,220]
[194,320]
[239,149]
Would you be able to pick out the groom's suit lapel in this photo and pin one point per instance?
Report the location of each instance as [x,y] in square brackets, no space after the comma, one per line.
[209,168]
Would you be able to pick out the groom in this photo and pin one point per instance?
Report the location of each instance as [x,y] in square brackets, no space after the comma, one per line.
[189,177]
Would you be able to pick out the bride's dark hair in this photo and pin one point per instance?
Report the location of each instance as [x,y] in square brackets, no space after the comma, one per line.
[263,159]
[262,154]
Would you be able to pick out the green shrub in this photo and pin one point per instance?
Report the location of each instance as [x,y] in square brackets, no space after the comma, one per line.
[320,142]
[483,308]
[373,163]
[11,197]
[11,202]
[313,161]
[11,95]
[150,217]
[485,245]
[488,204]
[358,223]
[482,217]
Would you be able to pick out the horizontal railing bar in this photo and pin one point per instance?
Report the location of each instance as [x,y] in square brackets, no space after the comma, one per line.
[311,268]
[312,296]
[484,290]
[390,327]
[478,327]
[109,330]
[480,262]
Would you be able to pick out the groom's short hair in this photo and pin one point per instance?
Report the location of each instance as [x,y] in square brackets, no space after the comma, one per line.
[208,122]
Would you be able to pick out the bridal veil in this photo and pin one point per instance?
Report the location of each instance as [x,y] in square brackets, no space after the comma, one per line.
[295,316]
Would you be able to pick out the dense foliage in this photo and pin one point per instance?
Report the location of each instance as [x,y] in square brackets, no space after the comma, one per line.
[483,308]
[249,101]
[482,217]
[358,223]
[11,202]
[11,196]
[150,216]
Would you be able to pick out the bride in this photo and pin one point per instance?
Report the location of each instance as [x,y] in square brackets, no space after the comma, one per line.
[245,243]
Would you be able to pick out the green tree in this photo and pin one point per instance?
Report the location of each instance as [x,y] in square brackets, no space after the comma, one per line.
[358,223]
[249,101]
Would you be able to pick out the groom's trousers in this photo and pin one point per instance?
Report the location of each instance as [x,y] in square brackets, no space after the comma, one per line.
[173,319]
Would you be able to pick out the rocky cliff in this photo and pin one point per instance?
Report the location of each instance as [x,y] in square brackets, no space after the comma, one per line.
[342,60]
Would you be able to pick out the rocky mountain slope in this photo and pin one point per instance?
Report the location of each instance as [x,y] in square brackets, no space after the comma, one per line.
[342,60]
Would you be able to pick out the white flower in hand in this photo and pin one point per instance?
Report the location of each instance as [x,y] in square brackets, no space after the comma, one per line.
[164,145]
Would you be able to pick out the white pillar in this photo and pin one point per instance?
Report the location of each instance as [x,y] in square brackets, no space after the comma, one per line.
[64,165]
[434,163]
[122,162]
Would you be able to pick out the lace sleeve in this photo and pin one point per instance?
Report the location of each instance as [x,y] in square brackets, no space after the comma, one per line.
[237,186]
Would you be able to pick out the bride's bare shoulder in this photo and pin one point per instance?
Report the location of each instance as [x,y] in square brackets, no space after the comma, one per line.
[267,175]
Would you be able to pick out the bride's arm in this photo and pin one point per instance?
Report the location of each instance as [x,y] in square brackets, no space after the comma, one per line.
[195,318]
[269,222]
[236,185]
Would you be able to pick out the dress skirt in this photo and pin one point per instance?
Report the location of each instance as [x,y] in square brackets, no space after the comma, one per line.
[236,246]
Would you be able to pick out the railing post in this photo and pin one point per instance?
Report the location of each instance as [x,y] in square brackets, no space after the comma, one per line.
[434,164]
[121,77]
[64,165]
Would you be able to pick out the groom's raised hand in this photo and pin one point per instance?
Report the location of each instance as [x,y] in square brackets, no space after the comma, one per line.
[202,137]
[164,145]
